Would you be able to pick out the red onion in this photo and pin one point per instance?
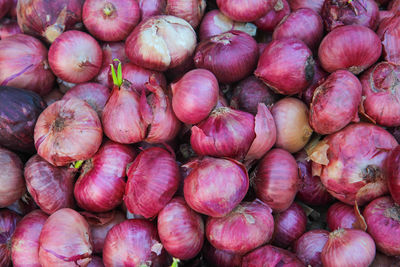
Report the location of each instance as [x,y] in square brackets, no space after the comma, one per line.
[101,185]
[251,91]
[335,102]
[95,94]
[24,205]
[343,12]
[289,225]
[53,96]
[100,224]
[161,42]
[134,242]
[8,221]
[5,6]
[315,5]
[221,258]
[273,256]
[247,227]
[277,179]
[304,24]
[190,10]
[380,90]
[51,187]
[348,247]
[309,246]
[344,216]
[48,20]
[67,131]
[111,20]
[153,179]
[351,47]
[8,27]
[96,262]
[393,173]
[245,10]
[25,240]
[139,76]
[231,56]
[319,75]
[269,21]
[292,128]
[383,219]
[181,229]
[389,34]
[151,8]
[194,95]
[75,57]
[23,61]
[215,186]
[286,65]
[215,23]
[65,240]
[11,178]
[311,190]
[360,179]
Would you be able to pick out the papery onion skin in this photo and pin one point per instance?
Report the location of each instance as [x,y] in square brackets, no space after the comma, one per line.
[181,229]
[289,225]
[67,131]
[139,76]
[383,219]
[361,179]
[348,247]
[231,56]
[190,10]
[50,18]
[8,222]
[270,20]
[220,258]
[151,8]
[161,42]
[304,24]
[75,57]
[309,246]
[215,23]
[380,93]
[25,240]
[248,226]
[51,187]
[23,61]
[393,173]
[292,124]
[244,10]
[134,242]
[215,186]
[351,47]
[276,181]
[341,215]
[315,5]
[8,27]
[101,185]
[335,102]
[153,179]
[11,177]
[110,20]
[272,255]
[286,65]
[65,240]
[194,95]
[389,34]
[337,13]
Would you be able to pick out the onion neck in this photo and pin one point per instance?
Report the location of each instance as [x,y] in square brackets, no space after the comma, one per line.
[337,233]
[278,6]
[224,38]
[371,173]
[108,9]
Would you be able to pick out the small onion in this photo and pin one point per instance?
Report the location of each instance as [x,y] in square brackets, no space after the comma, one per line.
[247,227]
[245,10]
[194,95]
[190,10]
[289,225]
[25,240]
[393,173]
[269,21]
[220,258]
[181,229]
[161,42]
[315,5]
[8,27]
[111,20]
[348,247]
[309,246]
[286,65]
[65,240]
[149,8]
[292,127]
[8,222]
[389,34]
[352,47]
[67,131]
[341,215]
[23,64]
[273,256]
[215,186]
[335,102]
[383,219]
[75,57]
[139,76]
[276,181]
